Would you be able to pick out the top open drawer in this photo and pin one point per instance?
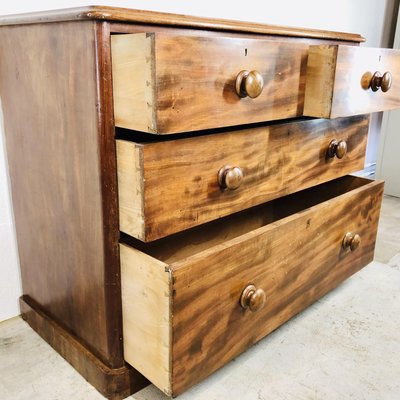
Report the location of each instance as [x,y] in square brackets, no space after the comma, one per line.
[348,80]
[171,83]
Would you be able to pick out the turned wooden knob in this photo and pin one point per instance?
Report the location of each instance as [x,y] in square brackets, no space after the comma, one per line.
[249,84]
[337,148]
[351,241]
[230,177]
[381,82]
[252,298]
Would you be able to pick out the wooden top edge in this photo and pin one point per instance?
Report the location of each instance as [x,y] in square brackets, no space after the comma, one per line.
[105,13]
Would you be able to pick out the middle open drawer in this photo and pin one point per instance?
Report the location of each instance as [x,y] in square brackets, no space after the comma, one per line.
[171,185]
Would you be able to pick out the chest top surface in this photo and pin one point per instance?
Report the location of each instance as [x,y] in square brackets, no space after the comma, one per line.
[105,13]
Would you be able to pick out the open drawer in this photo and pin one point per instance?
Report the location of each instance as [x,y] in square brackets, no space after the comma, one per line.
[170,83]
[166,186]
[350,80]
[193,301]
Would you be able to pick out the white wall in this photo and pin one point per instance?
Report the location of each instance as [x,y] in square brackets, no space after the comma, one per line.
[388,163]
[10,283]
[371,18]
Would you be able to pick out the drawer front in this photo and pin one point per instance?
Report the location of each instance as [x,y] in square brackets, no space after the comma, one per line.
[166,187]
[344,80]
[195,311]
[165,83]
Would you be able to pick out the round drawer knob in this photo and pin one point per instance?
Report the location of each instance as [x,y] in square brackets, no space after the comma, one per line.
[230,177]
[249,84]
[337,148]
[351,241]
[381,82]
[252,298]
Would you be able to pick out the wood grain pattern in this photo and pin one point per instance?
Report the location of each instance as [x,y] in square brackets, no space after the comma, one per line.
[56,92]
[338,78]
[275,160]
[209,326]
[109,195]
[198,73]
[112,383]
[134,81]
[50,119]
[121,27]
[57,95]
[146,305]
[321,67]
[105,13]
[291,248]
[131,189]
[63,178]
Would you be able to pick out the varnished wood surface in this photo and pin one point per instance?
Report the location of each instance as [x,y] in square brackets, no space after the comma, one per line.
[57,154]
[113,384]
[291,249]
[338,80]
[109,195]
[168,186]
[158,18]
[295,261]
[121,27]
[186,74]
[174,248]
[57,97]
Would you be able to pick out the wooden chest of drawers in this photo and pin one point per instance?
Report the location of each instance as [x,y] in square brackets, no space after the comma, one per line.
[179,184]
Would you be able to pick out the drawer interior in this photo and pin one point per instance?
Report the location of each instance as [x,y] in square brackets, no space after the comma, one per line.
[188,243]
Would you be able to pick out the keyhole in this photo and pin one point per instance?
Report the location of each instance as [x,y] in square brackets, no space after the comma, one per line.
[245,52]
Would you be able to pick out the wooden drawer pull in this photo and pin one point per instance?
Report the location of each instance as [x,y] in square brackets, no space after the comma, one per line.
[351,241]
[249,84]
[337,148]
[252,298]
[383,82]
[230,177]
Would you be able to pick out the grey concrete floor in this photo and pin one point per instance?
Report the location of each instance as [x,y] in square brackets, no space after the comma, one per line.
[345,346]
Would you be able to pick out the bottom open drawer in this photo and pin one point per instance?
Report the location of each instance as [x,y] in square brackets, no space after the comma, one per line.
[193,301]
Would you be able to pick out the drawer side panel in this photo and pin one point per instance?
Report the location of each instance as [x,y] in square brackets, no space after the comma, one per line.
[146,294]
[130,188]
[133,81]
[321,66]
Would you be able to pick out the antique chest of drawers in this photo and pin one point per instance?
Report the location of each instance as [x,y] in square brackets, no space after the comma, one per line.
[180,185]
